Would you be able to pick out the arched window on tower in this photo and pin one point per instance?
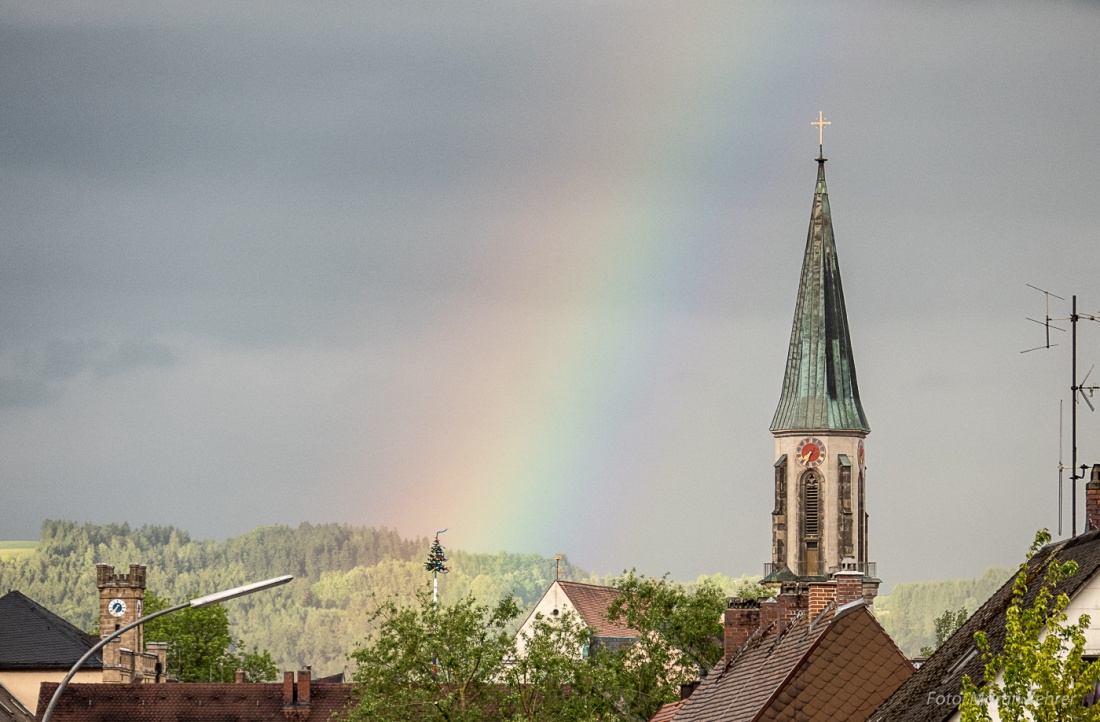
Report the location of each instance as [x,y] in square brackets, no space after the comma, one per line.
[811,523]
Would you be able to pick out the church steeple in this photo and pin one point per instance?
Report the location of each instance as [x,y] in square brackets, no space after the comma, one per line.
[819,524]
[820,392]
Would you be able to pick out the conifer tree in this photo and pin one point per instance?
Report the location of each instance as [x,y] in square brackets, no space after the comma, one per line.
[436,564]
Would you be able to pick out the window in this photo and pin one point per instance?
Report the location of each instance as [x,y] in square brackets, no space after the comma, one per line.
[781,485]
[811,504]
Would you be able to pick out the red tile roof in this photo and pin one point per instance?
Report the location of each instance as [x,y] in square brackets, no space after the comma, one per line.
[667,712]
[839,668]
[591,602]
[192,702]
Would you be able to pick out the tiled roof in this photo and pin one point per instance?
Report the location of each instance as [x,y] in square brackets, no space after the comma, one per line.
[11,709]
[929,695]
[835,667]
[667,711]
[819,386]
[191,702]
[33,637]
[591,602]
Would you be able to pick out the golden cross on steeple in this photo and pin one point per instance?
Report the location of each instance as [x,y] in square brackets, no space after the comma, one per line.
[820,123]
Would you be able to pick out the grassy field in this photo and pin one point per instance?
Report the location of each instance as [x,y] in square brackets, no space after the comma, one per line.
[16,549]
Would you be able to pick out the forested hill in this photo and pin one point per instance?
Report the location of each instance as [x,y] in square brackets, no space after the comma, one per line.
[341,573]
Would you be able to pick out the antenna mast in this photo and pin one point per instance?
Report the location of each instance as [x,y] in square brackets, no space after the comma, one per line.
[1075,388]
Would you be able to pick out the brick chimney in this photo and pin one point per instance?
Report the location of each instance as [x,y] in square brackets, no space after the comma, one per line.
[288,689]
[821,593]
[296,696]
[782,607]
[1092,500]
[849,586]
[303,687]
[742,618]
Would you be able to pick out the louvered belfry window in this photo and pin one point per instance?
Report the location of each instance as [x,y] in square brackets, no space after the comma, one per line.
[811,504]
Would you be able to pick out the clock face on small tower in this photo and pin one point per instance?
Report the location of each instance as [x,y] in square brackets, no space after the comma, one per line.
[116,607]
[811,452]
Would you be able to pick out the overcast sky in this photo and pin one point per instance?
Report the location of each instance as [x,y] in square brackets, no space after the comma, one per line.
[527,270]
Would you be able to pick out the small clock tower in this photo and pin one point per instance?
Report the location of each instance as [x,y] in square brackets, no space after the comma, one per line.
[120,597]
[819,523]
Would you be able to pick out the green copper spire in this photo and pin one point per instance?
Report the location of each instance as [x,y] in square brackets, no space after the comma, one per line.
[819,388]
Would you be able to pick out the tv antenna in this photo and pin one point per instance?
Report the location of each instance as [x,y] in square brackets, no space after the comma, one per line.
[1075,389]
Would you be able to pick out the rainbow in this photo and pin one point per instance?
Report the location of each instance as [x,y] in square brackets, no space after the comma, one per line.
[538,440]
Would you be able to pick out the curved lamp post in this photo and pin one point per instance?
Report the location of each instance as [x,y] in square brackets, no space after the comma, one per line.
[215,598]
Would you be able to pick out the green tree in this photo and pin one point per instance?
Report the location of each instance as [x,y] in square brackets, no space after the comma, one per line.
[680,638]
[200,648]
[549,680]
[1040,673]
[946,624]
[434,661]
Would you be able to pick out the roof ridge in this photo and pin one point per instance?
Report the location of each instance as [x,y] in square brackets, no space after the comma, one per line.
[584,584]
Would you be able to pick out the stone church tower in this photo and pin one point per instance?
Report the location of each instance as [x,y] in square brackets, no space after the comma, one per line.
[819,524]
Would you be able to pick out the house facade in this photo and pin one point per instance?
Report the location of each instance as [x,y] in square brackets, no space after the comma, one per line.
[590,603]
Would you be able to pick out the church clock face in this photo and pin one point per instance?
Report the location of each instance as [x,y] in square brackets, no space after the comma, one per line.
[811,452]
[116,607]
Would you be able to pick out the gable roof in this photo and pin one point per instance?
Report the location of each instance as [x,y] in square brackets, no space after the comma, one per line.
[33,637]
[931,694]
[841,665]
[192,702]
[11,709]
[819,386]
[591,602]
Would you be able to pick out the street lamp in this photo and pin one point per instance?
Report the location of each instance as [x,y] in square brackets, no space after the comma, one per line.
[215,598]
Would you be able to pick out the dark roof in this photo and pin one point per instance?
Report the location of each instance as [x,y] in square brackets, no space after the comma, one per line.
[819,386]
[33,637]
[192,702]
[11,709]
[839,666]
[931,694]
[591,602]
